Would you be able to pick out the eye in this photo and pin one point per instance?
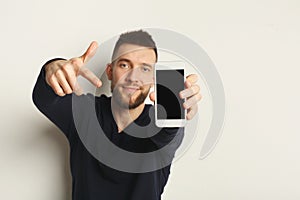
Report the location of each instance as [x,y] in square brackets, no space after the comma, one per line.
[124,65]
[145,69]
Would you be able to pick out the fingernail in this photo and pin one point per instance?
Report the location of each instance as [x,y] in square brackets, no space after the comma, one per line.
[188,84]
[182,94]
[186,105]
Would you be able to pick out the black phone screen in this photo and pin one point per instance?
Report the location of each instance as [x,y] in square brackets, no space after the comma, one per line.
[168,85]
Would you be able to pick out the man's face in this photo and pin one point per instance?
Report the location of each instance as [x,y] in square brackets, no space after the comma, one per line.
[131,75]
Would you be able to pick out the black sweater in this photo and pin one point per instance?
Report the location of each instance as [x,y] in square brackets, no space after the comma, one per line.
[92,179]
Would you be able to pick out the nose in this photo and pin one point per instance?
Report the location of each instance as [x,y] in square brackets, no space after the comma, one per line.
[133,75]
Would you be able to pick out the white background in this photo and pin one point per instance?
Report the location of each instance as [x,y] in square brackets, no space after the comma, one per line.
[255,46]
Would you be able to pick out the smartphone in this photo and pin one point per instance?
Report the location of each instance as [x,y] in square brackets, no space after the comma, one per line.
[169,81]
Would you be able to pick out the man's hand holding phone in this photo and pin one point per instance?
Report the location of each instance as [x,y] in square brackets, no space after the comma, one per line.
[191,93]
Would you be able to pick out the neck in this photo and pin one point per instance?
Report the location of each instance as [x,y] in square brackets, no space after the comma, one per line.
[124,116]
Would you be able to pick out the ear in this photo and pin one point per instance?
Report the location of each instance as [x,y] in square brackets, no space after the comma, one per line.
[109,71]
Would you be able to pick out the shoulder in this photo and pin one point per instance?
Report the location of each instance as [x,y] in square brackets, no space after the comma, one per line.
[102,100]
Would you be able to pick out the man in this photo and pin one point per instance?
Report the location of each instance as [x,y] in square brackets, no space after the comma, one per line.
[131,75]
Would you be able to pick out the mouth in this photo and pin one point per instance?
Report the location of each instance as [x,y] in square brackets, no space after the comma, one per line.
[130,89]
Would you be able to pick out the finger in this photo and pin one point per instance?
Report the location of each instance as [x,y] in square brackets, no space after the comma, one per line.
[63,82]
[192,101]
[70,75]
[192,112]
[152,96]
[90,52]
[193,90]
[90,76]
[55,86]
[78,90]
[187,84]
[192,78]
[74,64]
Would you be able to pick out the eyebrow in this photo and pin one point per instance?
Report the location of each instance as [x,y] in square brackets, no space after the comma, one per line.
[124,60]
[129,61]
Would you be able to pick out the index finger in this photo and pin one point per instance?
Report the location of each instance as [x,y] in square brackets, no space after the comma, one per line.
[192,78]
[90,76]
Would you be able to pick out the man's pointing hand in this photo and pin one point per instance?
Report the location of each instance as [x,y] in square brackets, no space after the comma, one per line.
[62,75]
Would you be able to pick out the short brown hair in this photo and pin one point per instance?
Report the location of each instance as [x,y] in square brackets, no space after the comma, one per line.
[139,37]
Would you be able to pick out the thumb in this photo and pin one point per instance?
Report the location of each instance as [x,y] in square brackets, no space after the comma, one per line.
[152,96]
[90,52]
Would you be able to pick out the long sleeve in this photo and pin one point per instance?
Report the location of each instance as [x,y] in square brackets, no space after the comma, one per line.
[56,108]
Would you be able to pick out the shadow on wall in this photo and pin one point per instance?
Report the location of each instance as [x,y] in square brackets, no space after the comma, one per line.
[54,136]
[40,152]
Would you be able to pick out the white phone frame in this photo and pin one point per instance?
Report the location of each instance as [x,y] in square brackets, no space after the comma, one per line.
[169,65]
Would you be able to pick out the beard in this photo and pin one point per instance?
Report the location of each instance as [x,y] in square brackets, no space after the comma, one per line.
[130,101]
